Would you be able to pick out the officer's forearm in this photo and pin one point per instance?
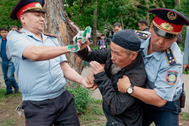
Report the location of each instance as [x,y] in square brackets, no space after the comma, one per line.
[44,52]
[148,96]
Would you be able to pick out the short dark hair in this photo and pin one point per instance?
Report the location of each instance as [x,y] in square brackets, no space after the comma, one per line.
[143,21]
[13,26]
[117,24]
[5,29]
[102,35]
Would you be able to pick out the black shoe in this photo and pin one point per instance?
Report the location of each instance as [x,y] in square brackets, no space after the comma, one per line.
[16,91]
[7,93]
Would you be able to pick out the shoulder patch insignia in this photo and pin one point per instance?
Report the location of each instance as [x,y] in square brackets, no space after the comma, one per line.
[170,57]
[171,77]
[47,34]
[142,35]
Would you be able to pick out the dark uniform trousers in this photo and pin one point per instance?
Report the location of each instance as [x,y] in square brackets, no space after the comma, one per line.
[168,115]
[59,111]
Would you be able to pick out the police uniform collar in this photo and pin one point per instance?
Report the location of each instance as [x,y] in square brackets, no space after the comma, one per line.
[145,45]
[27,32]
[32,35]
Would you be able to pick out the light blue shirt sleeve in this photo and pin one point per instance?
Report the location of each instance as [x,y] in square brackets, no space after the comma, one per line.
[163,87]
[62,57]
[17,43]
[186,47]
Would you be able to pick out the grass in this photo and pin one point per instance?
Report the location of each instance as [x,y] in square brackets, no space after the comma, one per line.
[93,114]
[2,96]
[184,116]
[9,122]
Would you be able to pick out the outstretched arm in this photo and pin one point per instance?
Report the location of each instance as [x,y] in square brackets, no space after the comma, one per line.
[72,75]
[41,53]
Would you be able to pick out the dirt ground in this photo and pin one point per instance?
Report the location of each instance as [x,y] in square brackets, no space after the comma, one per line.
[9,116]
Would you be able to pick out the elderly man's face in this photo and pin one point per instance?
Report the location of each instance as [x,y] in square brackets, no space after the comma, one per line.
[116,29]
[119,56]
[33,21]
[159,43]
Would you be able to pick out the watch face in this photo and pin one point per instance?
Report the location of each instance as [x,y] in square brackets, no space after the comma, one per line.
[130,90]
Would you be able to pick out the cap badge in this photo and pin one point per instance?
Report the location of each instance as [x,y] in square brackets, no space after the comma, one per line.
[171,15]
[167,26]
[38,5]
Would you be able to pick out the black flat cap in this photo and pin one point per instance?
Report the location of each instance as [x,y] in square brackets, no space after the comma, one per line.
[127,39]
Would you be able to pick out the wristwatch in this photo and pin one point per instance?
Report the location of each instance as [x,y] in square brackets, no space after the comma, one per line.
[130,89]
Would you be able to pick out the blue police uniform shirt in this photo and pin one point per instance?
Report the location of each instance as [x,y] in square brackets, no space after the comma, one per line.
[3,51]
[162,77]
[186,47]
[38,80]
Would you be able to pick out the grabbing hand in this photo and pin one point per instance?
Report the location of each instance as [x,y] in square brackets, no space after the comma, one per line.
[96,67]
[85,82]
[91,78]
[84,45]
[123,84]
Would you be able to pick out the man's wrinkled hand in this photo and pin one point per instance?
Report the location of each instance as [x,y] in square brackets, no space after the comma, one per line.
[123,83]
[96,67]
[84,45]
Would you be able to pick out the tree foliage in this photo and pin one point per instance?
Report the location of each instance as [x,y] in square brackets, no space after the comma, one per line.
[111,11]
[6,7]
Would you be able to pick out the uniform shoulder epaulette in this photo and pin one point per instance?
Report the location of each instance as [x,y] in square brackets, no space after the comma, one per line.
[170,57]
[142,35]
[47,34]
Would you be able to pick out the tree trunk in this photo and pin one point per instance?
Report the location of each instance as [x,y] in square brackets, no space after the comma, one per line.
[122,22]
[59,24]
[95,26]
[80,6]
[177,2]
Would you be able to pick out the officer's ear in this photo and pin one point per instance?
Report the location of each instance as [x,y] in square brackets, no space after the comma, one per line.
[22,18]
[151,27]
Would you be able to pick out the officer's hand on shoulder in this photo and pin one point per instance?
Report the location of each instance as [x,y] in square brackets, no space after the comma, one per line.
[123,83]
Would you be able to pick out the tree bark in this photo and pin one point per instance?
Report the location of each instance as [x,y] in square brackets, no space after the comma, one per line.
[59,24]
[177,2]
[122,22]
[95,26]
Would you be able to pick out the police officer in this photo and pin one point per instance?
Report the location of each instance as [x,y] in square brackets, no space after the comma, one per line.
[186,51]
[42,69]
[163,64]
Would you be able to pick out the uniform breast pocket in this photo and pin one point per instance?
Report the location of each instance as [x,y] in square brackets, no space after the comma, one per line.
[151,71]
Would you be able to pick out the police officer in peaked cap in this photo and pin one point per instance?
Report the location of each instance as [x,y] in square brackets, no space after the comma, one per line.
[163,64]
